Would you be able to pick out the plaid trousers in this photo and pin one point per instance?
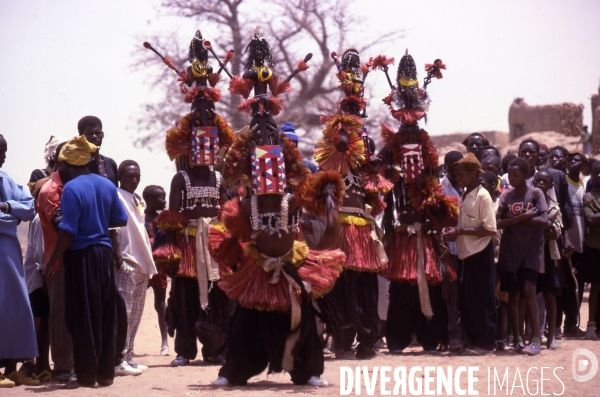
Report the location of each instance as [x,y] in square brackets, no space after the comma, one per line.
[132,285]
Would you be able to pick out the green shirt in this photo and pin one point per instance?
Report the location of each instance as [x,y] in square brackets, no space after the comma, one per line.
[591,207]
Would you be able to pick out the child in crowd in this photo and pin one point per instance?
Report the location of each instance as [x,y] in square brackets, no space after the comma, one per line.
[548,281]
[506,160]
[587,174]
[493,164]
[489,150]
[491,182]
[133,255]
[476,225]
[574,239]
[590,266]
[155,198]
[522,212]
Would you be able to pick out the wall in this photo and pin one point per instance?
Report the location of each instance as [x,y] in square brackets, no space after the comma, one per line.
[566,118]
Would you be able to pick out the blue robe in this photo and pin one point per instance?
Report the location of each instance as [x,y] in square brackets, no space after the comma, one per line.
[17,331]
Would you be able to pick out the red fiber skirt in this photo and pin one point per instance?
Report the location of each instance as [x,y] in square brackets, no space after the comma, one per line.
[359,248]
[249,284]
[403,260]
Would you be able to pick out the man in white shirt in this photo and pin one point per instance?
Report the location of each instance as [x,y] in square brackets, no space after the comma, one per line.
[450,188]
[133,254]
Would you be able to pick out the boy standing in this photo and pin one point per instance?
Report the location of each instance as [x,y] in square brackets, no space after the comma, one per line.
[155,198]
[522,212]
[476,225]
[574,239]
[134,254]
[548,281]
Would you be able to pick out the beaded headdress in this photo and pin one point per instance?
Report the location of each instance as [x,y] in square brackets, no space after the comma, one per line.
[197,51]
[259,51]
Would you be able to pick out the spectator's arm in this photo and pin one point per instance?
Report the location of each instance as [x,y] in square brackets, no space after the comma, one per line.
[62,244]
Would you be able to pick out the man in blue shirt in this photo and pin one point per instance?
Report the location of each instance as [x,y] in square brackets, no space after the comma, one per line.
[90,205]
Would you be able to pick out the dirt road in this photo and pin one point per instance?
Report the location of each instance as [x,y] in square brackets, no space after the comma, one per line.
[523,374]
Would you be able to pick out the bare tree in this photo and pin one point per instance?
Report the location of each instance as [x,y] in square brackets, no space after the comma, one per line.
[292,27]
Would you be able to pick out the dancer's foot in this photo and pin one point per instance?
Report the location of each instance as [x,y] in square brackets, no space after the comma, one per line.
[220,382]
[316,382]
[180,362]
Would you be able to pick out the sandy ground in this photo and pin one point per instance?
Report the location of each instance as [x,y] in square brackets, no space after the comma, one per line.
[162,380]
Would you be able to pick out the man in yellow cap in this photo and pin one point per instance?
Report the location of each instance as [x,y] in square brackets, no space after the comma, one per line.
[90,205]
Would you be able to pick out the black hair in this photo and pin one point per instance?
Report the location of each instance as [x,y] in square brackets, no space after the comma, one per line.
[583,158]
[529,140]
[452,156]
[124,164]
[561,149]
[506,160]
[546,172]
[487,147]
[197,51]
[407,68]
[595,164]
[151,191]
[351,60]
[58,149]
[489,177]
[521,163]
[259,50]
[494,158]
[479,134]
[88,121]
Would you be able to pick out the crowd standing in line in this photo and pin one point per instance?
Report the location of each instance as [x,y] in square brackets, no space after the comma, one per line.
[484,252]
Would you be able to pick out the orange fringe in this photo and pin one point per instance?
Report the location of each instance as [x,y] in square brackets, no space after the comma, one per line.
[226,250]
[310,191]
[210,94]
[167,258]
[250,286]
[241,86]
[356,243]
[381,61]
[326,154]
[214,78]
[375,183]
[402,253]
[170,221]
[178,140]
[235,224]
[278,86]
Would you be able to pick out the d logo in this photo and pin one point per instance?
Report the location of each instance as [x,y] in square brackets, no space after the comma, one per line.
[581,364]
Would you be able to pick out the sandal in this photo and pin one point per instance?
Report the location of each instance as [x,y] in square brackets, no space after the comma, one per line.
[44,376]
[164,351]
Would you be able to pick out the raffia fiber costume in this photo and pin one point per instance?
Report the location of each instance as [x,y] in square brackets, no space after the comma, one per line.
[416,210]
[196,306]
[274,324]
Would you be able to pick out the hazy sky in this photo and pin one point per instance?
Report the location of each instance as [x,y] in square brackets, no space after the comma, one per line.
[62,60]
